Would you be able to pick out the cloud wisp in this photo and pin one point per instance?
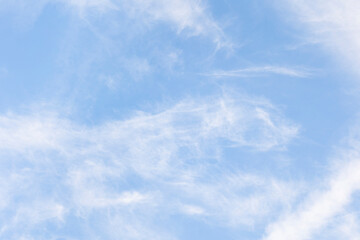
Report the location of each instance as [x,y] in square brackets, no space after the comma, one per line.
[260,72]
[60,173]
[334,24]
[320,208]
[188,17]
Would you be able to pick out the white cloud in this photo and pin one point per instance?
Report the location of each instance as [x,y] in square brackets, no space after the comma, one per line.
[192,210]
[244,121]
[39,212]
[260,71]
[319,209]
[82,171]
[333,23]
[185,15]
[235,199]
[19,133]
[84,4]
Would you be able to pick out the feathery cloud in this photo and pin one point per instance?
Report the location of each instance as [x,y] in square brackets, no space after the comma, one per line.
[322,205]
[335,24]
[60,172]
[187,16]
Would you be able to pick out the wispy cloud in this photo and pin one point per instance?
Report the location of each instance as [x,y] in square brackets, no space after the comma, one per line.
[189,17]
[333,23]
[326,212]
[237,199]
[58,171]
[83,5]
[322,205]
[260,71]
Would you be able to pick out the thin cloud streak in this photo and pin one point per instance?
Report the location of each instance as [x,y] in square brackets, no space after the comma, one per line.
[259,72]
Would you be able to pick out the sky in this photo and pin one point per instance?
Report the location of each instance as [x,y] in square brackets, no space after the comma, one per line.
[179,119]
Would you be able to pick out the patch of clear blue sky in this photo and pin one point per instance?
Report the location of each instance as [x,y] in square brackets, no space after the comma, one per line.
[61,60]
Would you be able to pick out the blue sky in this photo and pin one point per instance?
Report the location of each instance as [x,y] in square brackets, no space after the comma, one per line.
[179,119]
